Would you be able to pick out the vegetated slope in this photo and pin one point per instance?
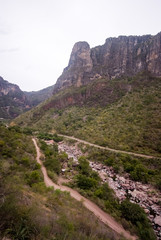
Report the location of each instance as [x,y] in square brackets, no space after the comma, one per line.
[29,210]
[122,113]
[12,100]
[36,97]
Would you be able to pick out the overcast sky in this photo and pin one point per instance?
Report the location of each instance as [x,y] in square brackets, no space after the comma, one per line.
[37,36]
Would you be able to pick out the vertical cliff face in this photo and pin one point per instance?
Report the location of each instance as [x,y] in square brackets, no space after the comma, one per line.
[80,64]
[122,56]
[128,56]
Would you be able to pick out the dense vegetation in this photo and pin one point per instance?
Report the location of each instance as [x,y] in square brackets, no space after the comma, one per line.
[48,136]
[52,159]
[29,210]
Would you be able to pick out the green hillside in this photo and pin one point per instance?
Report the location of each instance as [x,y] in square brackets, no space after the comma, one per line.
[130,120]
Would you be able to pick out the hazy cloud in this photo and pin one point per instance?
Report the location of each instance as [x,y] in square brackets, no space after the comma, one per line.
[3,32]
[10,50]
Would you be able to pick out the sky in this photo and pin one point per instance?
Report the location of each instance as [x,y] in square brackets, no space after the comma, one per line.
[37,36]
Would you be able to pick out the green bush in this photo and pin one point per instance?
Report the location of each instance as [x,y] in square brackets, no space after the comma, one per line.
[140,173]
[158,183]
[136,215]
[85,182]
[84,166]
[33,177]
[53,164]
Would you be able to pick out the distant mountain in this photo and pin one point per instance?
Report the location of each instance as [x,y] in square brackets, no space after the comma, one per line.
[36,97]
[13,101]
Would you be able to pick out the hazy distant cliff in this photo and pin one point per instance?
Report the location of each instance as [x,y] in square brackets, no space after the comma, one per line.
[122,56]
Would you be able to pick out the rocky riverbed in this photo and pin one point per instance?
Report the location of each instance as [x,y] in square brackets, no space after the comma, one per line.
[142,194]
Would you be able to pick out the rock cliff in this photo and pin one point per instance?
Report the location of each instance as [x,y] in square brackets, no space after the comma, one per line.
[122,56]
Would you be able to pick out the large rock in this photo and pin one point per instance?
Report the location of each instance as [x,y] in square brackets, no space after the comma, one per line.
[157,220]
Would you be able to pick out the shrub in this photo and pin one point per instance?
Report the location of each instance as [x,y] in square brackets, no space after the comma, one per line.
[85,182]
[53,164]
[136,215]
[84,166]
[140,173]
[33,177]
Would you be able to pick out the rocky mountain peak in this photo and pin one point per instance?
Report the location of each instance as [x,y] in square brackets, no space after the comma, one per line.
[80,55]
[80,64]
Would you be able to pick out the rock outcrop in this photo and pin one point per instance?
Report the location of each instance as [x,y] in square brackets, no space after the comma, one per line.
[122,56]
[79,67]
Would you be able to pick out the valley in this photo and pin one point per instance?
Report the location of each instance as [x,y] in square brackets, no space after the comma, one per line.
[96,133]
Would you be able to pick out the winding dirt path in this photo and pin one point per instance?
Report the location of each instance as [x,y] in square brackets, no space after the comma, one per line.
[107,148]
[104,217]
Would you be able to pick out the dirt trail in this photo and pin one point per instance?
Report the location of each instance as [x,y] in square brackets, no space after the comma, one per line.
[104,217]
[107,148]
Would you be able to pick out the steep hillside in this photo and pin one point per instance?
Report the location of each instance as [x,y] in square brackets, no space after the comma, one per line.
[28,209]
[12,100]
[121,113]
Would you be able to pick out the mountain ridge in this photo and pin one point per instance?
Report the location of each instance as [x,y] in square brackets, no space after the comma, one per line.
[118,57]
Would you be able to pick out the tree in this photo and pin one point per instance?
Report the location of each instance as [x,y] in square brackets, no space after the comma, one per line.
[85,182]
[84,165]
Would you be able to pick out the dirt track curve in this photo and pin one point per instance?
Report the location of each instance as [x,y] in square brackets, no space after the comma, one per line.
[107,148]
[104,217]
